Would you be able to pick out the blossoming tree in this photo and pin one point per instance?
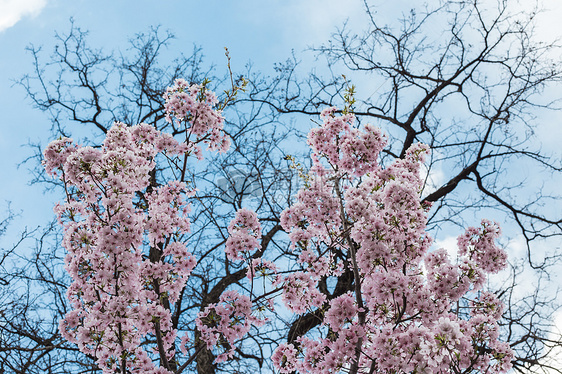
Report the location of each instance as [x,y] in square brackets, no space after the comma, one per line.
[361,262]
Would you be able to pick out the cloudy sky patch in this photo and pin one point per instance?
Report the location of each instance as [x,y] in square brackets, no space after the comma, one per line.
[12,11]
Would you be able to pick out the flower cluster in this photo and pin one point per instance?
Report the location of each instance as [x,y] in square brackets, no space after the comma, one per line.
[351,150]
[369,221]
[244,231]
[478,245]
[116,291]
[123,234]
[382,302]
[192,107]
[222,324]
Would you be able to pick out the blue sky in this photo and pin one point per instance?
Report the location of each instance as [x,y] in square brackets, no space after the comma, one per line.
[257,31]
[263,32]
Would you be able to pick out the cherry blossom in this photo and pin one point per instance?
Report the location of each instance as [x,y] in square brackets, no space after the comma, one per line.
[361,259]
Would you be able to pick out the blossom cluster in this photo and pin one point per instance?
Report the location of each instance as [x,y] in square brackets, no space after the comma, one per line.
[123,235]
[244,231]
[116,289]
[226,322]
[402,315]
[193,107]
[353,151]
[385,302]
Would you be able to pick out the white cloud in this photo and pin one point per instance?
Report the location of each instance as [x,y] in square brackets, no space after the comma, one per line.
[11,11]
[434,179]
[450,244]
[554,359]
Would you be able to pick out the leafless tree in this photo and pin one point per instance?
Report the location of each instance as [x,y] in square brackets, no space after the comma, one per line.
[484,63]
